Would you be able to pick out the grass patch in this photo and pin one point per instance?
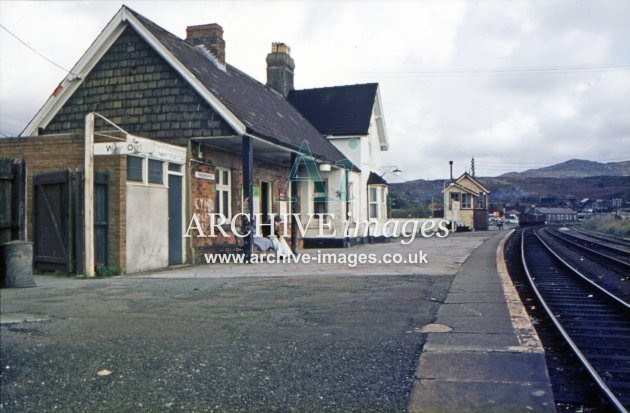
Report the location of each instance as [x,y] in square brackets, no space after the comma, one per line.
[608,224]
[107,271]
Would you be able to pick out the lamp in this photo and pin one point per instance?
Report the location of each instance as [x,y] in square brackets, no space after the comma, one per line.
[324,167]
[394,169]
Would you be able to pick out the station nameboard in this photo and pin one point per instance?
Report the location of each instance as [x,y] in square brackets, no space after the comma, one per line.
[122,148]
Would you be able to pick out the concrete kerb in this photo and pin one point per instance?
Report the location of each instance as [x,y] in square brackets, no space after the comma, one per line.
[525,331]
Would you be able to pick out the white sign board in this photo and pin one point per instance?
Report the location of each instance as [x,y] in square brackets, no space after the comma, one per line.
[204,175]
[142,147]
[122,148]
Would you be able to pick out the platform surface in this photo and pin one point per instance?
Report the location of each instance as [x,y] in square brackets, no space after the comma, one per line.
[484,354]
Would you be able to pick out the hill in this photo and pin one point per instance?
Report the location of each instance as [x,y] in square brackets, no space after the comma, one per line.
[576,168]
[572,180]
[524,189]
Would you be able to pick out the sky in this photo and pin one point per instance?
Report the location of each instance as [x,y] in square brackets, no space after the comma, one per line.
[514,84]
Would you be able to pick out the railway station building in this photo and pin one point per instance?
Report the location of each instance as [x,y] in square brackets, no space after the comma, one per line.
[220,142]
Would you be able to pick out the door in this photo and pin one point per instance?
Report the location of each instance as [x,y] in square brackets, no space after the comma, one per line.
[175,233]
[12,200]
[101,218]
[52,231]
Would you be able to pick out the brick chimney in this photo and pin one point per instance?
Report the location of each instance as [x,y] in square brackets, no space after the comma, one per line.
[280,66]
[210,36]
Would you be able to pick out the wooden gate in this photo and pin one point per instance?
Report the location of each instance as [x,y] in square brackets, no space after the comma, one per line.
[58,223]
[12,200]
[53,222]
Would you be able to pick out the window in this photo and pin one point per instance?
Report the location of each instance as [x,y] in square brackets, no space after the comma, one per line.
[134,169]
[384,202]
[174,167]
[320,206]
[454,198]
[466,200]
[480,202]
[155,172]
[373,202]
[223,204]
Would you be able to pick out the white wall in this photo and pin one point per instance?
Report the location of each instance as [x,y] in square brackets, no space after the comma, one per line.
[336,205]
[147,227]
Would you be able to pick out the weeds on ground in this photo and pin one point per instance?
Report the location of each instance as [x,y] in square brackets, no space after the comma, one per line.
[107,271]
[608,224]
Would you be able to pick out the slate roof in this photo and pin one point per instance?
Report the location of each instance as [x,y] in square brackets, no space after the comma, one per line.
[337,110]
[545,210]
[264,112]
[375,179]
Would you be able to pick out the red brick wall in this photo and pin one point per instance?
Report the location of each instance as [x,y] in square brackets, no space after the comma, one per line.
[203,194]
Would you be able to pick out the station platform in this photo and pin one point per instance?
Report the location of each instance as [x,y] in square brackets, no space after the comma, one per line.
[482,353]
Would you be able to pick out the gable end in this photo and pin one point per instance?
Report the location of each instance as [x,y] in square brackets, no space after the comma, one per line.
[138,90]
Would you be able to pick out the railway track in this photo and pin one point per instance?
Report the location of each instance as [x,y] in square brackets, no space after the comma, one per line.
[594,323]
[618,253]
[611,239]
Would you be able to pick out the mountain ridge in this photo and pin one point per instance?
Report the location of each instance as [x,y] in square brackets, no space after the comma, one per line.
[571,180]
[575,168]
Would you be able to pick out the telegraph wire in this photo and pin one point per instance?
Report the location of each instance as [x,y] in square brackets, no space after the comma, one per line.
[36,52]
[503,71]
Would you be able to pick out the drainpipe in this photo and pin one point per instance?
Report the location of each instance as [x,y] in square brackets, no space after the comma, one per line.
[248,194]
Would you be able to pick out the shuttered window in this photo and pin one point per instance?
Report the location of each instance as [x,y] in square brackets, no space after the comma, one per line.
[134,169]
[156,172]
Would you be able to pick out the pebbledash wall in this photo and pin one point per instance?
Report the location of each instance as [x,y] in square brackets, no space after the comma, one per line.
[66,152]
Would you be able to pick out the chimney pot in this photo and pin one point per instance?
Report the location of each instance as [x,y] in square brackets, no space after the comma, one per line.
[280,69]
[210,36]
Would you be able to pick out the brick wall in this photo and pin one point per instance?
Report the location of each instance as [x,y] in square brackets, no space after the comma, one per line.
[136,89]
[62,152]
[203,194]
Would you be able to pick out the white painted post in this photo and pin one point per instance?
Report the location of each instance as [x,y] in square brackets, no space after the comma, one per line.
[88,208]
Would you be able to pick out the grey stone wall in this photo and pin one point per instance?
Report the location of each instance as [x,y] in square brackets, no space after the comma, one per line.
[139,91]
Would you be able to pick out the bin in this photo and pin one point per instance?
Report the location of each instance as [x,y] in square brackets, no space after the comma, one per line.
[16,266]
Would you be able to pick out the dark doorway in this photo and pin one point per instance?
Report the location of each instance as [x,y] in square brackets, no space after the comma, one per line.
[101,218]
[175,219]
[52,231]
[12,200]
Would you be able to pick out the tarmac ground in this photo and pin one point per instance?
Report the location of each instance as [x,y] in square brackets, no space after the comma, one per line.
[445,335]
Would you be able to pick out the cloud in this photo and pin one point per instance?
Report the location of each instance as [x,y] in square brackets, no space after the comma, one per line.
[500,81]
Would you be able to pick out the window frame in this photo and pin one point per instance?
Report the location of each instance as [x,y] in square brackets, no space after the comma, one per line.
[466,201]
[141,159]
[161,169]
[320,200]
[373,201]
[480,201]
[223,191]
[453,196]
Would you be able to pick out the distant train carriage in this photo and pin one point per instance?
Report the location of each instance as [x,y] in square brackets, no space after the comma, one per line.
[531,218]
